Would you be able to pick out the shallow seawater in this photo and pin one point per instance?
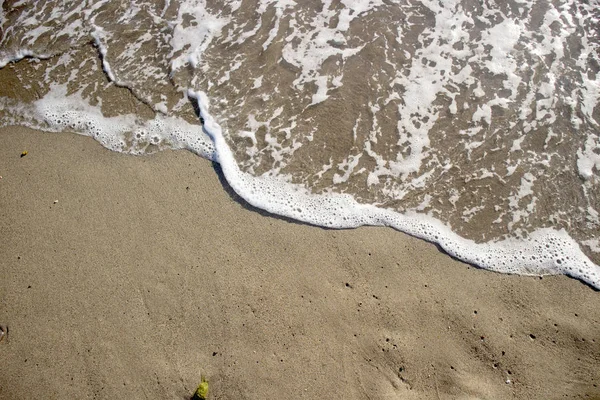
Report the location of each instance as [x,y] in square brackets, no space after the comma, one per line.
[458,117]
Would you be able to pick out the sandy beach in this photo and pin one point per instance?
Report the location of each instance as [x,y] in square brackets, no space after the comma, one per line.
[127,277]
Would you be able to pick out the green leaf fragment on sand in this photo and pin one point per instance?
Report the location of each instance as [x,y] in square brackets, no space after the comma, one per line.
[202,390]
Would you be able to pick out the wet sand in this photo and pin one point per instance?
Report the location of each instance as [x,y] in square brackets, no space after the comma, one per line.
[130,277]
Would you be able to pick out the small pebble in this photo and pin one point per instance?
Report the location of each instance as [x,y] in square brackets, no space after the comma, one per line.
[55,201]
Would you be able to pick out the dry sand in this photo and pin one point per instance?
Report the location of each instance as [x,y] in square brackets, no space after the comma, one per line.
[149,272]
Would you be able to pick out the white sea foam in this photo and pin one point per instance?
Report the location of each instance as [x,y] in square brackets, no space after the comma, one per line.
[125,133]
[195,28]
[546,251]
[9,57]
[588,158]
[504,82]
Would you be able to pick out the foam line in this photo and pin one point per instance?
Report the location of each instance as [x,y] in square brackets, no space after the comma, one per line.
[6,59]
[546,251]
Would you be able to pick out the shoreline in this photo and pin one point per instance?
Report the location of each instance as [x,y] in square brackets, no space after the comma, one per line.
[148,272]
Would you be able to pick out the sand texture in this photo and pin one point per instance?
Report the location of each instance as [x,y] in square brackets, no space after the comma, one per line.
[128,277]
